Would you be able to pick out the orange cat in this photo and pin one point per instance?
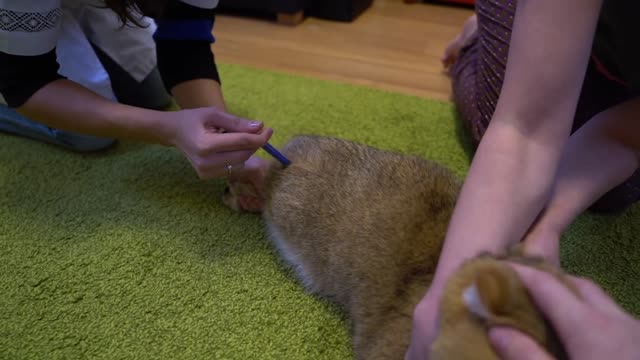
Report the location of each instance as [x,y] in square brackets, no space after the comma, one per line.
[364,228]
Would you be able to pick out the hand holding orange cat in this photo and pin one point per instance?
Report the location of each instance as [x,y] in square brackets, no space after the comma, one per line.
[593,328]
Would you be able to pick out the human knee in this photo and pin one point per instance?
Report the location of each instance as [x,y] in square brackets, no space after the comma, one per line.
[83,143]
[150,93]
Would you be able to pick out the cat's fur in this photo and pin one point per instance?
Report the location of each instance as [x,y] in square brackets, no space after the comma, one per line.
[485,292]
[364,227]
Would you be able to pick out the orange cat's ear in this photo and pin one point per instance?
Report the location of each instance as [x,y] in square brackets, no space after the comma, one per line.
[490,294]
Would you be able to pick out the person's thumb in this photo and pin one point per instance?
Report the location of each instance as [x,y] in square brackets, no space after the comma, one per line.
[230,123]
[510,344]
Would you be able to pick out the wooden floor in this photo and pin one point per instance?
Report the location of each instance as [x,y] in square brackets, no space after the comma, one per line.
[393,46]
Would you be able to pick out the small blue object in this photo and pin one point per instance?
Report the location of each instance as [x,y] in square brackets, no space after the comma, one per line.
[276,154]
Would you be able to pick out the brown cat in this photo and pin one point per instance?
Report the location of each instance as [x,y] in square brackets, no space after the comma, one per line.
[364,227]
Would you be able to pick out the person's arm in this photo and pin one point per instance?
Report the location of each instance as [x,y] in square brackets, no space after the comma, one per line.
[514,167]
[63,104]
[187,64]
[599,156]
[66,105]
[186,61]
[30,83]
[516,162]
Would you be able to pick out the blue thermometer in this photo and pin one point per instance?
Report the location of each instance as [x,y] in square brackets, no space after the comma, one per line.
[276,154]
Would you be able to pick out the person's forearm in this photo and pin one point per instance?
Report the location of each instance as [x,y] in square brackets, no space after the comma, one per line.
[599,156]
[508,184]
[514,168]
[65,105]
[199,93]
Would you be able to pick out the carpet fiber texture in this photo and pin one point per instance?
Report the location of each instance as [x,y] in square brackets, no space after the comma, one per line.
[126,254]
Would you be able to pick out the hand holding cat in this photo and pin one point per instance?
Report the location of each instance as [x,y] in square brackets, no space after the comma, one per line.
[253,174]
[424,329]
[592,328]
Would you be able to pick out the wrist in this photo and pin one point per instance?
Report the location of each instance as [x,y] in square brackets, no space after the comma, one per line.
[546,228]
[543,241]
[163,128]
[436,288]
[150,126]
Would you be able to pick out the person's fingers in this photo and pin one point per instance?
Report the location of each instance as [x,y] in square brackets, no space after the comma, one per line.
[253,176]
[424,325]
[510,344]
[250,203]
[227,171]
[231,123]
[215,166]
[449,55]
[256,169]
[235,141]
[544,246]
[563,309]
[245,176]
[595,295]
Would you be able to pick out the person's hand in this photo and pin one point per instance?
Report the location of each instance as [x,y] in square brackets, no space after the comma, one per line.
[469,30]
[212,140]
[593,327]
[543,241]
[253,174]
[424,326]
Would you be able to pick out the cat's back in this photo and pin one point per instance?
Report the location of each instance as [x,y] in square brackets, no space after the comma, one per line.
[353,188]
[350,174]
[347,207]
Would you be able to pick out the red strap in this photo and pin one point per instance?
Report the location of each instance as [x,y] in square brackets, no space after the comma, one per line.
[602,69]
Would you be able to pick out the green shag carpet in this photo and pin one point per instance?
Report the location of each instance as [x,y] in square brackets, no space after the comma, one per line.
[127,255]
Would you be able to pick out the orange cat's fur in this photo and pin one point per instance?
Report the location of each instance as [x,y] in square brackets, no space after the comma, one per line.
[485,292]
[364,227]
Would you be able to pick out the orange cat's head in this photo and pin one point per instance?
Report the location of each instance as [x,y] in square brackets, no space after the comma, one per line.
[487,292]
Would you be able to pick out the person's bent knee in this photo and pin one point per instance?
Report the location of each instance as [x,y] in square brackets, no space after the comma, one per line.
[150,93]
[83,143]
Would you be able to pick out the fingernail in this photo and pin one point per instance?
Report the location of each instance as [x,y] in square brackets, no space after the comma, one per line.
[255,124]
